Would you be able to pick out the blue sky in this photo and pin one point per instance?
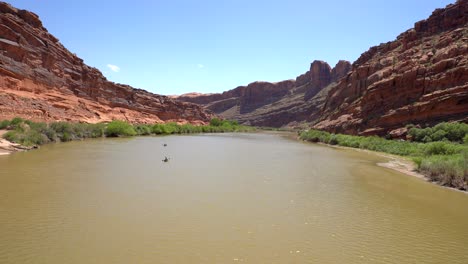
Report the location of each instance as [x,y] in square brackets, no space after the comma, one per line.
[179,46]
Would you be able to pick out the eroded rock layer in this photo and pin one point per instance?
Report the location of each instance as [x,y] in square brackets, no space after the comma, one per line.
[420,78]
[41,80]
[276,104]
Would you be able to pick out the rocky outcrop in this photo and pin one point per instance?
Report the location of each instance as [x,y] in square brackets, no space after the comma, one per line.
[320,75]
[275,104]
[420,78]
[41,80]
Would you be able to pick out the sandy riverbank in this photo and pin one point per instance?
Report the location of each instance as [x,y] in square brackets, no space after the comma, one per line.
[4,144]
[395,162]
[7,147]
[398,163]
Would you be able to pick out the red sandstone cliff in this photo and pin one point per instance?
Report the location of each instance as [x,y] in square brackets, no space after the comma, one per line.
[41,80]
[275,104]
[420,78]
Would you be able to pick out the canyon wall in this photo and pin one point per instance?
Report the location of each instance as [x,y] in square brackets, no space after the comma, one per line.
[41,80]
[275,104]
[420,78]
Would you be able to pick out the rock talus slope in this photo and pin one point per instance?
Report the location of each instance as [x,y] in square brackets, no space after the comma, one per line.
[41,80]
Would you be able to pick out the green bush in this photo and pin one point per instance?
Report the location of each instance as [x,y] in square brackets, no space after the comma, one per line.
[33,137]
[441,148]
[216,122]
[96,130]
[119,128]
[448,170]
[417,161]
[16,121]
[63,131]
[28,138]
[157,129]
[143,130]
[4,124]
[439,135]
[11,136]
[444,131]
[51,134]
[65,137]
[332,140]
[39,126]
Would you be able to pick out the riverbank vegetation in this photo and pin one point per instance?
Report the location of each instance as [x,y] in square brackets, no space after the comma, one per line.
[29,133]
[440,152]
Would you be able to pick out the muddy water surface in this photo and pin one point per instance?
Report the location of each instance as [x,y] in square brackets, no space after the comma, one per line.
[228,198]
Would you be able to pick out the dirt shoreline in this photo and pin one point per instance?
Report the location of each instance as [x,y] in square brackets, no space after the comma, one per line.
[395,162]
[8,147]
[5,145]
[398,163]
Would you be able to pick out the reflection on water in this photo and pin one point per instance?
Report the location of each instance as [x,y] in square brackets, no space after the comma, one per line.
[252,198]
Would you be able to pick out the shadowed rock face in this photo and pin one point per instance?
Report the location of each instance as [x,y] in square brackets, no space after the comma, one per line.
[420,78]
[41,80]
[275,104]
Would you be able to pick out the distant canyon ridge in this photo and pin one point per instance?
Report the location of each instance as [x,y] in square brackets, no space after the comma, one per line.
[420,78]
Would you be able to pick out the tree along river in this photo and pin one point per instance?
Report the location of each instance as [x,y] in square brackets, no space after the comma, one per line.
[221,198]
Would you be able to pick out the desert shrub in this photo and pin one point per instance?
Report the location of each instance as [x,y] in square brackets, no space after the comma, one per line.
[61,127]
[4,124]
[119,128]
[33,137]
[11,136]
[448,170]
[444,131]
[143,130]
[37,126]
[319,136]
[157,129]
[63,130]
[50,134]
[441,148]
[332,140]
[16,121]
[216,122]
[439,135]
[96,130]
[28,138]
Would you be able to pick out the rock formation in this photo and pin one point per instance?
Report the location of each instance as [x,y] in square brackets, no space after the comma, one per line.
[420,78]
[41,80]
[275,104]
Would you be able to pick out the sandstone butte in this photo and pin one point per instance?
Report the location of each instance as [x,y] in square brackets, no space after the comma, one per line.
[420,78]
[41,80]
